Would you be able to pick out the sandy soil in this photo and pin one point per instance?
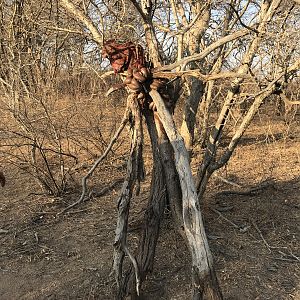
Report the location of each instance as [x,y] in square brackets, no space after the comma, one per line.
[254,236]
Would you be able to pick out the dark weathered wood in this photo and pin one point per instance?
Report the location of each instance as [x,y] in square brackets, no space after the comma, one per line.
[133,177]
[164,185]
[152,219]
[172,183]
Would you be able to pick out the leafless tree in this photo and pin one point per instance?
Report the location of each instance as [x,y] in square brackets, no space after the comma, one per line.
[211,50]
[41,62]
[201,43]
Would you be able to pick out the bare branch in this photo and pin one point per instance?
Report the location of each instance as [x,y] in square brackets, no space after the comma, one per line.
[132,181]
[140,11]
[258,99]
[193,224]
[80,16]
[198,74]
[287,101]
[206,51]
[242,23]
[98,161]
[56,28]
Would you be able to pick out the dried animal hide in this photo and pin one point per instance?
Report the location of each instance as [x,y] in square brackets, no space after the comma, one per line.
[124,56]
[131,58]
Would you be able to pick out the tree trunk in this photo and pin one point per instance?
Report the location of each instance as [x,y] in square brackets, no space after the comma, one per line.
[204,277]
[152,219]
[174,195]
[190,111]
[164,186]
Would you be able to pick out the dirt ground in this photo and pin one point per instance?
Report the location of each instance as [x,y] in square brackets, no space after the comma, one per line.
[253,234]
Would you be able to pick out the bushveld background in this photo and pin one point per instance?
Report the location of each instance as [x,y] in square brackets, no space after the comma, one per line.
[56,120]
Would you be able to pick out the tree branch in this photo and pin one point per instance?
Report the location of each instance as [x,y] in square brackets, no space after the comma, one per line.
[205,280]
[242,23]
[198,74]
[98,161]
[80,16]
[140,11]
[206,51]
[258,99]
[132,181]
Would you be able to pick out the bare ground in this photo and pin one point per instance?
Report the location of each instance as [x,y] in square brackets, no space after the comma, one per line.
[254,236]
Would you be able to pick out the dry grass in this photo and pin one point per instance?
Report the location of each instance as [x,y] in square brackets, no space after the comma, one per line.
[45,256]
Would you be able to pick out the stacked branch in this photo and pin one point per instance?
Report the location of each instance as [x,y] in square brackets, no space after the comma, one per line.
[153,96]
[135,173]
[153,93]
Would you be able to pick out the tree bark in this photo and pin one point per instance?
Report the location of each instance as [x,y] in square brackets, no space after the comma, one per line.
[134,176]
[164,186]
[204,277]
[152,219]
[190,111]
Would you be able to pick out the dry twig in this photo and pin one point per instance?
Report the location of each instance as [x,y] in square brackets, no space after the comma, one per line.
[227,220]
[227,181]
[98,161]
[261,235]
[250,191]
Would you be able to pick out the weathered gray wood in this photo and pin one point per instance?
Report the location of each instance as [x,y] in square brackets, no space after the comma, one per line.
[205,281]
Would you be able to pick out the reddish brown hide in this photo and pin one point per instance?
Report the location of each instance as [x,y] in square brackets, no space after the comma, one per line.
[123,56]
[131,58]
